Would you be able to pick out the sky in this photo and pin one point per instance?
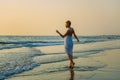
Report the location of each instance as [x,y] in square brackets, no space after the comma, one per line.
[43,17]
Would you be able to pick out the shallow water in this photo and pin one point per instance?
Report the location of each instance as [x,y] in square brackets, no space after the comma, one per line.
[17,60]
[9,42]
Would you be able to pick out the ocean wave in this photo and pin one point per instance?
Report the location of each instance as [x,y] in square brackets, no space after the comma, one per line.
[10,45]
[9,42]
[17,60]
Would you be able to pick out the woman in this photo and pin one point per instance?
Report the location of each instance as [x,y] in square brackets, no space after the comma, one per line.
[68,41]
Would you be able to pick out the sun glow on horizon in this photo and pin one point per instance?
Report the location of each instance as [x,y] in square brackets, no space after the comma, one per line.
[43,17]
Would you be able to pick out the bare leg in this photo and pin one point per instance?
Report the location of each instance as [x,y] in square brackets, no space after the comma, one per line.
[71,61]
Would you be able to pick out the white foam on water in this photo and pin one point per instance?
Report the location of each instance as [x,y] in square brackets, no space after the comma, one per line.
[16,61]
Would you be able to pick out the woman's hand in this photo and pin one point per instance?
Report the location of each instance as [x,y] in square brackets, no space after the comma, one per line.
[57,31]
[78,40]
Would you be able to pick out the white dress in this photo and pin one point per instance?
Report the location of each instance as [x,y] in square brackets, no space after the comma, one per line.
[68,43]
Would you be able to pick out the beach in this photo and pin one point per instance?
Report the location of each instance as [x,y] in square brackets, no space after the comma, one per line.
[93,61]
[37,38]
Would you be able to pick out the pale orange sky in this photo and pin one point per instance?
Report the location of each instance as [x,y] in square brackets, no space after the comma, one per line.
[43,17]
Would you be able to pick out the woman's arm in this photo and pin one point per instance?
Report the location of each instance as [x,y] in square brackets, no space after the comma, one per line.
[62,34]
[75,36]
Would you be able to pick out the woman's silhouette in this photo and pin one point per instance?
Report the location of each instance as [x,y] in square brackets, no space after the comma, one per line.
[68,41]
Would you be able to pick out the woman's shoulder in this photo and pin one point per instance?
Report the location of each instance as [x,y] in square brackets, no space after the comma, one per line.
[71,29]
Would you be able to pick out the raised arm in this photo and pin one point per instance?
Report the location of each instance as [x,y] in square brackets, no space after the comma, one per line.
[62,34]
[75,35]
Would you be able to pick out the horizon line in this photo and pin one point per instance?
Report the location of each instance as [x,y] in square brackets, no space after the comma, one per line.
[58,35]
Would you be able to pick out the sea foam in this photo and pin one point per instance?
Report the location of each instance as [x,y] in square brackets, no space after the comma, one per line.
[15,61]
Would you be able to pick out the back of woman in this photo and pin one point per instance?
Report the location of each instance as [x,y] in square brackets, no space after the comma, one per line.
[68,43]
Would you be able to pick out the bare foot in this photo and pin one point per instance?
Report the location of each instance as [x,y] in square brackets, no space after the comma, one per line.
[72,65]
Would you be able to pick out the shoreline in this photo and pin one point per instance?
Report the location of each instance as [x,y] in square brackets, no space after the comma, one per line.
[102,65]
[85,70]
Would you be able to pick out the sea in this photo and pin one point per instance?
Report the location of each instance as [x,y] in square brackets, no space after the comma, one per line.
[17,53]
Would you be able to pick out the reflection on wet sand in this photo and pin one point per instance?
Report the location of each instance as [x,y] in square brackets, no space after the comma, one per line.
[71,74]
